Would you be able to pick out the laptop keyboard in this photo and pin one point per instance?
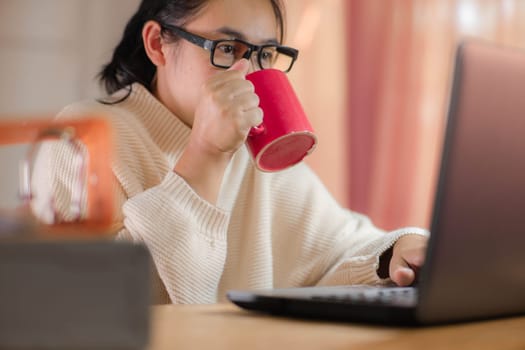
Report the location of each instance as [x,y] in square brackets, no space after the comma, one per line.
[403,296]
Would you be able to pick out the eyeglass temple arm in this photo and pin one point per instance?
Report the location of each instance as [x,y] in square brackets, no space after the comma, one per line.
[193,38]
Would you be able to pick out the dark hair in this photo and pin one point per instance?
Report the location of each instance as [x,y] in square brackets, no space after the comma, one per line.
[130,63]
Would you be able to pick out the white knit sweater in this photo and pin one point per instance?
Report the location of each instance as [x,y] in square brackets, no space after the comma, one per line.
[267,230]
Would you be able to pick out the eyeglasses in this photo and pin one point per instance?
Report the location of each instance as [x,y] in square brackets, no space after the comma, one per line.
[224,53]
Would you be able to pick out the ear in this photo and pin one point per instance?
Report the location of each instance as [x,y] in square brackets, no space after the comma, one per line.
[152,43]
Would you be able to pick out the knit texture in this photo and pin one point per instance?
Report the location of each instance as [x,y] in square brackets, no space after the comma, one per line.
[267,230]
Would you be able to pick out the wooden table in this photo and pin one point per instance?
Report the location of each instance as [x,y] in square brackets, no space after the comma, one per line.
[224,326]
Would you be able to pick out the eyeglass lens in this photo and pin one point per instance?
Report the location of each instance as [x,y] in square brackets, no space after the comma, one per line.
[227,52]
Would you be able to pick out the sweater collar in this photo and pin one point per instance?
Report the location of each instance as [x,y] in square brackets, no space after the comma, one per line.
[168,131]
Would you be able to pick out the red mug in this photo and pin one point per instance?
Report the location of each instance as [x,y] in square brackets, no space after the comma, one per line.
[285,136]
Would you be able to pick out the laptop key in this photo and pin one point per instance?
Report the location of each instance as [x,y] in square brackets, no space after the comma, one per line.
[390,295]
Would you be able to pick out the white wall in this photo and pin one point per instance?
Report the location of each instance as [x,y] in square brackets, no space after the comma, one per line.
[50,52]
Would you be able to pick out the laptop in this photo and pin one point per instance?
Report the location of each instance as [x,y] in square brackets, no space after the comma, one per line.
[475,265]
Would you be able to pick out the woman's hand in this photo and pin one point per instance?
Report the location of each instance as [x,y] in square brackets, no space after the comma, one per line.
[226,112]
[408,255]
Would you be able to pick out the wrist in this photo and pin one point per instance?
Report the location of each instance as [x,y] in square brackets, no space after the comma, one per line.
[203,171]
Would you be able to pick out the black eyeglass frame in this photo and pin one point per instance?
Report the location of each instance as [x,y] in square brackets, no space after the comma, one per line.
[210,46]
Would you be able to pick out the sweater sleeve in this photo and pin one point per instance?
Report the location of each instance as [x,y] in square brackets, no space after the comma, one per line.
[362,267]
[185,235]
[333,245]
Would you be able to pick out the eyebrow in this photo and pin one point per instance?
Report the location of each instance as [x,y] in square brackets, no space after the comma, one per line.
[238,35]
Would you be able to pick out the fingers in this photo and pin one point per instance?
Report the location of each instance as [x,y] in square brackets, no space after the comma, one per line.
[235,100]
[249,114]
[236,95]
[236,72]
[231,89]
[407,258]
[401,273]
[227,110]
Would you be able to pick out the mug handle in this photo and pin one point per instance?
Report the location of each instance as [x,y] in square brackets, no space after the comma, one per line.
[256,130]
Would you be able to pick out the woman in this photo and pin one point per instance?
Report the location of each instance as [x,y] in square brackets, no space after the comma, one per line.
[187,186]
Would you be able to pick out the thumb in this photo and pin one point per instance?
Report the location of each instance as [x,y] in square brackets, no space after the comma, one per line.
[400,271]
[403,275]
[241,65]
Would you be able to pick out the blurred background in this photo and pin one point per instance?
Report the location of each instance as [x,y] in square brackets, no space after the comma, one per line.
[373,76]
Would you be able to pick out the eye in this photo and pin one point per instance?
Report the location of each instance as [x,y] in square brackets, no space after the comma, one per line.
[268,55]
[226,49]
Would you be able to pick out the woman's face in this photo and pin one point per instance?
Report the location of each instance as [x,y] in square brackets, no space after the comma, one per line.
[188,66]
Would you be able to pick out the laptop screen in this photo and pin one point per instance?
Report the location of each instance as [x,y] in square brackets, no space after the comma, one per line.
[478,234]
